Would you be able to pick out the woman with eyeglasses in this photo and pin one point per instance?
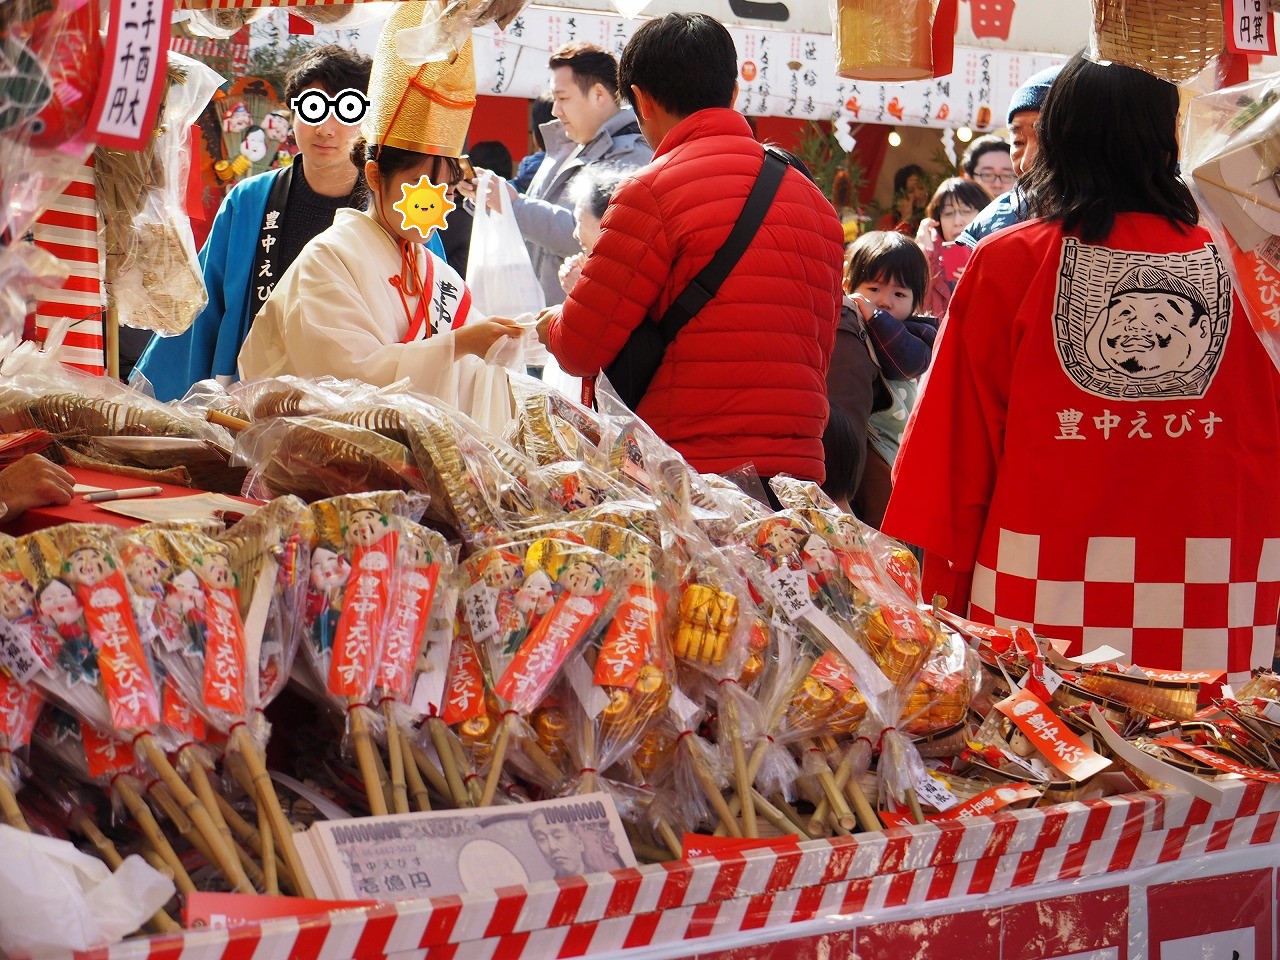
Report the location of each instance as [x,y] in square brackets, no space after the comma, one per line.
[366,299]
[954,205]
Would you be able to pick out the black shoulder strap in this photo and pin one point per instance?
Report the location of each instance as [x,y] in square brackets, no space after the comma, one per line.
[705,285]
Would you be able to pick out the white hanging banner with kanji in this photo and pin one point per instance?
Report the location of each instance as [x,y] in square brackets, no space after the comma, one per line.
[780,74]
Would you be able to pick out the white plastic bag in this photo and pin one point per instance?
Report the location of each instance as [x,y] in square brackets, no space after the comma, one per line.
[53,898]
[499,272]
[490,403]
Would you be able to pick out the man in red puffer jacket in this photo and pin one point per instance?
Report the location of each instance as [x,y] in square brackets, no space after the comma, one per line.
[745,380]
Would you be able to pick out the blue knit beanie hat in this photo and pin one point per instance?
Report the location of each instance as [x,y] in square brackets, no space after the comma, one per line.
[1030,96]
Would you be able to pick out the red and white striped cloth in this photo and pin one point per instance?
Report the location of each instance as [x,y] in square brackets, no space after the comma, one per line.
[760,890]
[69,230]
[236,52]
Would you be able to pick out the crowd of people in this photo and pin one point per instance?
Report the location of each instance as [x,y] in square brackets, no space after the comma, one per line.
[1036,375]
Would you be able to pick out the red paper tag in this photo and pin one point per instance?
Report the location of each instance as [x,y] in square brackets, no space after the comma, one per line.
[543,652]
[1218,761]
[19,707]
[134,74]
[405,630]
[131,694]
[106,755]
[358,638]
[631,639]
[999,639]
[464,696]
[832,671]
[224,677]
[1249,27]
[989,801]
[178,715]
[1051,736]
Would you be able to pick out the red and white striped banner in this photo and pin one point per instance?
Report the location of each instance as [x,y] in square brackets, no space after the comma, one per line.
[763,891]
[69,230]
[237,53]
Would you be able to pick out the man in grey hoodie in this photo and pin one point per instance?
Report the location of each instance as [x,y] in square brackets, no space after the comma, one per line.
[589,128]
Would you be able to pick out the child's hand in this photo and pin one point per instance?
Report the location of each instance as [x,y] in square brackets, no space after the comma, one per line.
[925,235]
[570,271]
[865,306]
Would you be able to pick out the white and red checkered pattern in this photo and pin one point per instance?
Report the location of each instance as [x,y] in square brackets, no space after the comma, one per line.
[1186,604]
[69,230]
[761,890]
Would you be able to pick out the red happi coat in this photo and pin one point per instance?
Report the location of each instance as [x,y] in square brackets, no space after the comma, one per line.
[1097,447]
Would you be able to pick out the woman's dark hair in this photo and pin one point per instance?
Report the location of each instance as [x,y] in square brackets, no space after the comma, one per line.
[958,190]
[492,155]
[886,256]
[333,67]
[1108,145]
[540,113]
[906,173]
[844,456]
[393,160]
[989,143]
[686,61]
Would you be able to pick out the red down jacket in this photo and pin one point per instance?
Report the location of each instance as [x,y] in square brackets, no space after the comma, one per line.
[745,380]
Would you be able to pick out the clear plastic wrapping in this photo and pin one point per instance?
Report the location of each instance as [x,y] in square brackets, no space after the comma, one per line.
[153,275]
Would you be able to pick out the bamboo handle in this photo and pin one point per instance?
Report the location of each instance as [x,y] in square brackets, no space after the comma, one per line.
[867,818]
[496,761]
[913,802]
[256,841]
[416,783]
[224,859]
[448,761]
[280,826]
[843,773]
[740,769]
[234,424]
[364,757]
[138,808]
[270,875]
[714,796]
[395,759]
[427,768]
[209,798]
[9,807]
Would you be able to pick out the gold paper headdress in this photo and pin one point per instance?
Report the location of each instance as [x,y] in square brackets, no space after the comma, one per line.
[425,109]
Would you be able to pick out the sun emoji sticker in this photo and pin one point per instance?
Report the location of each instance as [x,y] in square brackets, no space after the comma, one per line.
[423,206]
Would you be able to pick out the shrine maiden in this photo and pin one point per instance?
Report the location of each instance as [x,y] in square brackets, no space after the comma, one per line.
[1096,447]
[366,299]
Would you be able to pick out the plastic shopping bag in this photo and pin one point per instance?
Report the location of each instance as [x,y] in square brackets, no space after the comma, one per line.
[499,271]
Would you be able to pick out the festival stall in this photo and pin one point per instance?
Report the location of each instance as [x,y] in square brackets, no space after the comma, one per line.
[545,690]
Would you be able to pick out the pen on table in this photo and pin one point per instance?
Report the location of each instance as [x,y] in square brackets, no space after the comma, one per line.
[99,495]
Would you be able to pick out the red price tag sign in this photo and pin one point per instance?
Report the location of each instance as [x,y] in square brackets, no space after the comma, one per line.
[1051,736]
[134,73]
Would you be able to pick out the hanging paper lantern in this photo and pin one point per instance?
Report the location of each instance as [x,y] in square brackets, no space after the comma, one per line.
[885,42]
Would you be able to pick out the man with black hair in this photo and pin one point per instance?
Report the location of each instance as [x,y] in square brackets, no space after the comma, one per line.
[589,128]
[745,379]
[262,226]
